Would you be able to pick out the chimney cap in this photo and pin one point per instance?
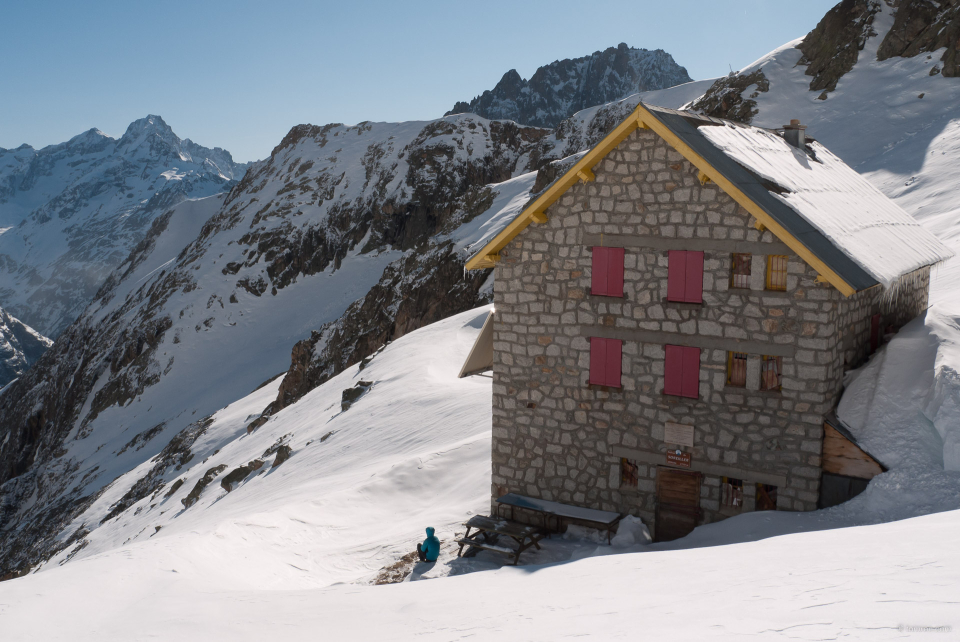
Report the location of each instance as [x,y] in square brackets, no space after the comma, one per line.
[794,124]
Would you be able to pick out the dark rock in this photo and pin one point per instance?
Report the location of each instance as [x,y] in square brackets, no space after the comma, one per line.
[725,97]
[194,496]
[832,48]
[350,395]
[922,26]
[240,473]
[283,454]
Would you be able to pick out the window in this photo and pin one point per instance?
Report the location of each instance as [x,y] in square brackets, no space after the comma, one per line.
[685,276]
[740,271]
[681,371]
[777,272]
[629,473]
[737,369]
[771,369]
[766,497]
[606,276]
[731,492]
[605,361]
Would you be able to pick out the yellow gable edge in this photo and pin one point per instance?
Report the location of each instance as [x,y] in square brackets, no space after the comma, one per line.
[490,254]
[641,117]
[744,201]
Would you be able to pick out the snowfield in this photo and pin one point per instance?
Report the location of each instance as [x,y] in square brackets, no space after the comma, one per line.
[292,551]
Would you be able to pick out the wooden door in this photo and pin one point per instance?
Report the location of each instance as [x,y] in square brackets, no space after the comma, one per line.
[678,503]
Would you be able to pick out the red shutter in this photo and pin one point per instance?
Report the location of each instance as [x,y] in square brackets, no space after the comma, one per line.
[615,272]
[614,362]
[676,275]
[606,277]
[874,333]
[691,373]
[606,360]
[673,370]
[599,271]
[598,361]
[681,371]
[693,289]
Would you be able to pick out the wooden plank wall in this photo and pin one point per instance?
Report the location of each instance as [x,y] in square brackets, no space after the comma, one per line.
[843,457]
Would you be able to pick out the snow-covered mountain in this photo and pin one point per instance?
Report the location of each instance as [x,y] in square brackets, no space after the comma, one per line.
[558,90]
[70,213]
[344,239]
[20,347]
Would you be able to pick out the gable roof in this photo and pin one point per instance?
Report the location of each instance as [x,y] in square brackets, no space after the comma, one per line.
[833,218]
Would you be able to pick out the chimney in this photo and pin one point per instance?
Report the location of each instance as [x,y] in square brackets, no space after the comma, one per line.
[795,134]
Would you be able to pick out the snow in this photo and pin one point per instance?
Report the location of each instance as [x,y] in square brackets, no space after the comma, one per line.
[856,216]
[292,551]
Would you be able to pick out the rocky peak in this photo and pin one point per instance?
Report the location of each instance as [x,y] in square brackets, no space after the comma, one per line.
[558,90]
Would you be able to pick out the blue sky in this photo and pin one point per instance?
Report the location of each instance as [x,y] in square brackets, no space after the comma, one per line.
[239,74]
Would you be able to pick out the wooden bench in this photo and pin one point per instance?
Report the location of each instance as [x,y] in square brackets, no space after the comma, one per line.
[488,531]
[603,519]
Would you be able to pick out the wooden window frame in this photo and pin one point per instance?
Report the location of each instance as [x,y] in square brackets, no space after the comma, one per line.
[777,267]
[770,383]
[740,270]
[731,492]
[736,372]
[629,473]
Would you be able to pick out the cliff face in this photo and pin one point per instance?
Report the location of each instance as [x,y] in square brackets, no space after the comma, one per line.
[562,88]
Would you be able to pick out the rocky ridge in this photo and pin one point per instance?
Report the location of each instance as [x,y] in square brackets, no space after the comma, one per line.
[557,91]
[72,212]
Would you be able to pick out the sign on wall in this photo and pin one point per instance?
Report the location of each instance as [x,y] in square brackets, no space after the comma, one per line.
[679,434]
[678,458]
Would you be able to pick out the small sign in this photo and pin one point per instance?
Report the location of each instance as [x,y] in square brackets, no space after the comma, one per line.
[678,458]
[679,434]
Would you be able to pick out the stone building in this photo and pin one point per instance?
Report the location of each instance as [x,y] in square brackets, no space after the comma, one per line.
[674,316]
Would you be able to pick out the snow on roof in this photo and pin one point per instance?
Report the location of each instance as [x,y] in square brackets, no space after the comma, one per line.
[854,215]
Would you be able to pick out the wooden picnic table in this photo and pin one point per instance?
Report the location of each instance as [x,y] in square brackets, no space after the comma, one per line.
[487,532]
[604,519]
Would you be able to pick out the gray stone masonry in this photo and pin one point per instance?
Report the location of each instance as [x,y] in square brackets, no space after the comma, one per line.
[558,438]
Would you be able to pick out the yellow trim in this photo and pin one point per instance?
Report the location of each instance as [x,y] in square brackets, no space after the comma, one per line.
[586,175]
[644,119]
[483,259]
[704,179]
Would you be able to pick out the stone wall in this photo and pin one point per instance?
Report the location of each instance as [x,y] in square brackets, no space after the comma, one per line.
[906,299]
[557,437]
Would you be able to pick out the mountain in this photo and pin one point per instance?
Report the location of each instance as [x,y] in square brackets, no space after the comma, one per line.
[344,239]
[562,88]
[20,347]
[70,213]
